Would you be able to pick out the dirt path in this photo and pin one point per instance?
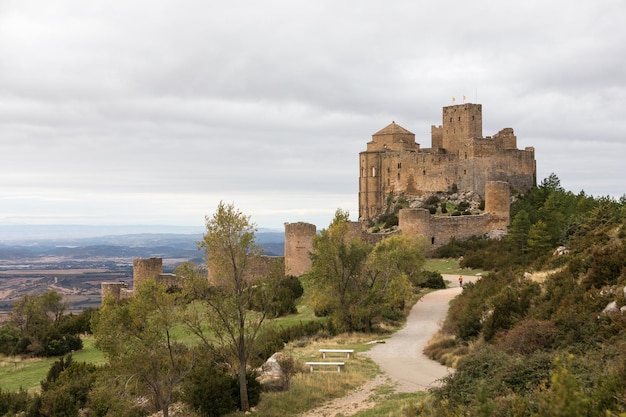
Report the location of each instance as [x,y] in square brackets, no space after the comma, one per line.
[400,357]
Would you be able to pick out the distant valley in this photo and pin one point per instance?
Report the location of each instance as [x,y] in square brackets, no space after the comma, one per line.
[75,263]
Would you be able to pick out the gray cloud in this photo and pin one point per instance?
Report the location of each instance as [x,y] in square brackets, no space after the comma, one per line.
[122,112]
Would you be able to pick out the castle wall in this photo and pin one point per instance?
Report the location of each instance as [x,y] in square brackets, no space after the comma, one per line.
[371,197]
[264,266]
[169,280]
[115,290]
[439,230]
[298,246]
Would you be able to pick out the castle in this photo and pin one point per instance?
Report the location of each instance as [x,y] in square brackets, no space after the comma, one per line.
[460,158]
[394,164]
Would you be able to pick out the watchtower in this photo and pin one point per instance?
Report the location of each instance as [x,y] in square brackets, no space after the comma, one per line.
[144,269]
[298,246]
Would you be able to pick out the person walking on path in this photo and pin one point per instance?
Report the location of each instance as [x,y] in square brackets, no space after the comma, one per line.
[460,280]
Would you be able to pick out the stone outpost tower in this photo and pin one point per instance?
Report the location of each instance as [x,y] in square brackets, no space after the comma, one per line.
[298,245]
[144,269]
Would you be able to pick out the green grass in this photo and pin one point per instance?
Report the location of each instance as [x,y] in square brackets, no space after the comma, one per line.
[16,373]
[450,266]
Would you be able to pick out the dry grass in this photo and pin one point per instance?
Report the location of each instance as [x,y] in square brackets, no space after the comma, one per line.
[540,276]
[309,390]
[445,349]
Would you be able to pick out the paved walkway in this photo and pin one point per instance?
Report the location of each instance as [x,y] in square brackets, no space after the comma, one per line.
[401,357]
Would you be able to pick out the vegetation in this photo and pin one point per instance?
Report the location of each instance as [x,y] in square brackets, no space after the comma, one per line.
[357,284]
[537,336]
[38,326]
[529,344]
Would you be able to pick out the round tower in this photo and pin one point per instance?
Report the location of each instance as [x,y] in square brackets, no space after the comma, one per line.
[498,203]
[298,246]
[145,269]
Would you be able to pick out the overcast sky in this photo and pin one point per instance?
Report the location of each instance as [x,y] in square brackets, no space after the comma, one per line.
[151,112]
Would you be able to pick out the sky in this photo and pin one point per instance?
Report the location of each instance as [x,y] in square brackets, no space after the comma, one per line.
[152,112]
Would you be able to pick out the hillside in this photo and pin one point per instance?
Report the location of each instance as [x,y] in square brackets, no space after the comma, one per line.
[545,332]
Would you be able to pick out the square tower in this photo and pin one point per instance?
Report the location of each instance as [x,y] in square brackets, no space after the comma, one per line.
[461,123]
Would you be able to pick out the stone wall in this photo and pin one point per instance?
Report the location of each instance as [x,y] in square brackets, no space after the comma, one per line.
[439,230]
[116,290]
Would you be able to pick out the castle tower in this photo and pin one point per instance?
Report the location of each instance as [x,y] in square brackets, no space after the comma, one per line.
[391,139]
[144,269]
[298,245]
[498,203]
[460,124]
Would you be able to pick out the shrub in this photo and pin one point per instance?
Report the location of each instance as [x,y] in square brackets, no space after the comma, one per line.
[463,206]
[528,336]
[208,390]
[277,297]
[430,279]
[11,403]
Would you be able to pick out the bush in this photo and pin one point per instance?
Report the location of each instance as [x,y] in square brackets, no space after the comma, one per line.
[9,338]
[11,403]
[430,279]
[208,390]
[273,340]
[529,336]
[60,344]
[277,298]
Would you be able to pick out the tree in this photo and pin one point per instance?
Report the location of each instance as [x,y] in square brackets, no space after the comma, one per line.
[136,337]
[357,283]
[518,230]
[337,265]
[229,243]
[38,319]
[539,238]
[392,265]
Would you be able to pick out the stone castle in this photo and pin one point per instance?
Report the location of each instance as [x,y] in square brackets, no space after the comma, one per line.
[459,157]
[394,164]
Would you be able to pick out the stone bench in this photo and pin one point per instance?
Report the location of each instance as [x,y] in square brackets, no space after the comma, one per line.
[337,364]
[349,352]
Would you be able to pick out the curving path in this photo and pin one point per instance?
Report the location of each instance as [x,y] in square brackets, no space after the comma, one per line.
[401,357]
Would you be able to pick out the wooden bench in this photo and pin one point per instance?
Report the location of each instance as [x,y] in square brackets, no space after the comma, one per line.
[347,351]
[337,364]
